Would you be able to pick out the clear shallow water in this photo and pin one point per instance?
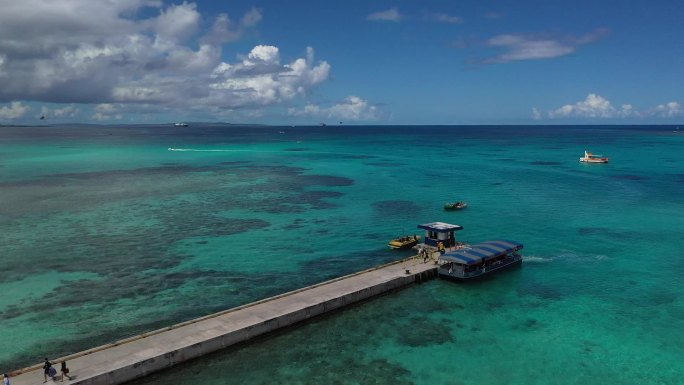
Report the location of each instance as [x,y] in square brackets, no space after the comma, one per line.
[103,236]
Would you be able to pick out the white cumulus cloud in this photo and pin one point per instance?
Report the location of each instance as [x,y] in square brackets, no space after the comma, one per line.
[596,106]
[261,79]
[137,54]
[522,47]
[177,22]
[14,110]
[669,110]
[68,111]
[225,30]
[391,14]
[266,53]
[107,111]
[536,114]
[443,18]
[593,106]
[351,108]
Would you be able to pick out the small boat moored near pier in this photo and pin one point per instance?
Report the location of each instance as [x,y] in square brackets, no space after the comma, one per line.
[455,205]
[480,259]
[404,242]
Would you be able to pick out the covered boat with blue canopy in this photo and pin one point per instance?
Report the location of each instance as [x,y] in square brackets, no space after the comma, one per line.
[480,259]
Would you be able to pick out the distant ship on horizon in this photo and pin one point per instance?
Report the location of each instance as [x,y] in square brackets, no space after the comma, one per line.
[180,124]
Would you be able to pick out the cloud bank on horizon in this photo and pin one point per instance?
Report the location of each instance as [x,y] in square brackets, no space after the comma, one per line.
[154,61]
[596,106]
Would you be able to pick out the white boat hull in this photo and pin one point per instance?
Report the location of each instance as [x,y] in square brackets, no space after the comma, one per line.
[585,160]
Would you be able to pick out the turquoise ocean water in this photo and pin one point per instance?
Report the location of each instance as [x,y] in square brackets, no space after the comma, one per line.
[106,232]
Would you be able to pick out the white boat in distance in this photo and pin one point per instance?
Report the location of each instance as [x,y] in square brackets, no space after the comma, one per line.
[591,158]
[180,124]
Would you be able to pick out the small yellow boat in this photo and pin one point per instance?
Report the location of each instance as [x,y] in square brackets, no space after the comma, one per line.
[404,242]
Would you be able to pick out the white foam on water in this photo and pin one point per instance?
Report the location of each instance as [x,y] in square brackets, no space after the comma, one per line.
[528,259]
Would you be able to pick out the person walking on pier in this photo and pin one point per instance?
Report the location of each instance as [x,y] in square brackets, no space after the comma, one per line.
[65,371]
[46,369]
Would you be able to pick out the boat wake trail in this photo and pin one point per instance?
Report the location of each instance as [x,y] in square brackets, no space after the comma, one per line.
[369,156]
[563,257]
[196,150]
[530,259]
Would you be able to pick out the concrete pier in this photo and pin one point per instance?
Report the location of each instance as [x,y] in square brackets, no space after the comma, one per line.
[138,356]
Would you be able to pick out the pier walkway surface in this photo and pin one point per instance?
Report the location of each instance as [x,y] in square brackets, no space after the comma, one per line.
[138,356]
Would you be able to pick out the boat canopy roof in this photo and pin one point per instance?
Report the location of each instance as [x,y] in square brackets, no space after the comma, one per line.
[481,252]
[440,227]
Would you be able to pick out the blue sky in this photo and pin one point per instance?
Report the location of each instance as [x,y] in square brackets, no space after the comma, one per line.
[357,62]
